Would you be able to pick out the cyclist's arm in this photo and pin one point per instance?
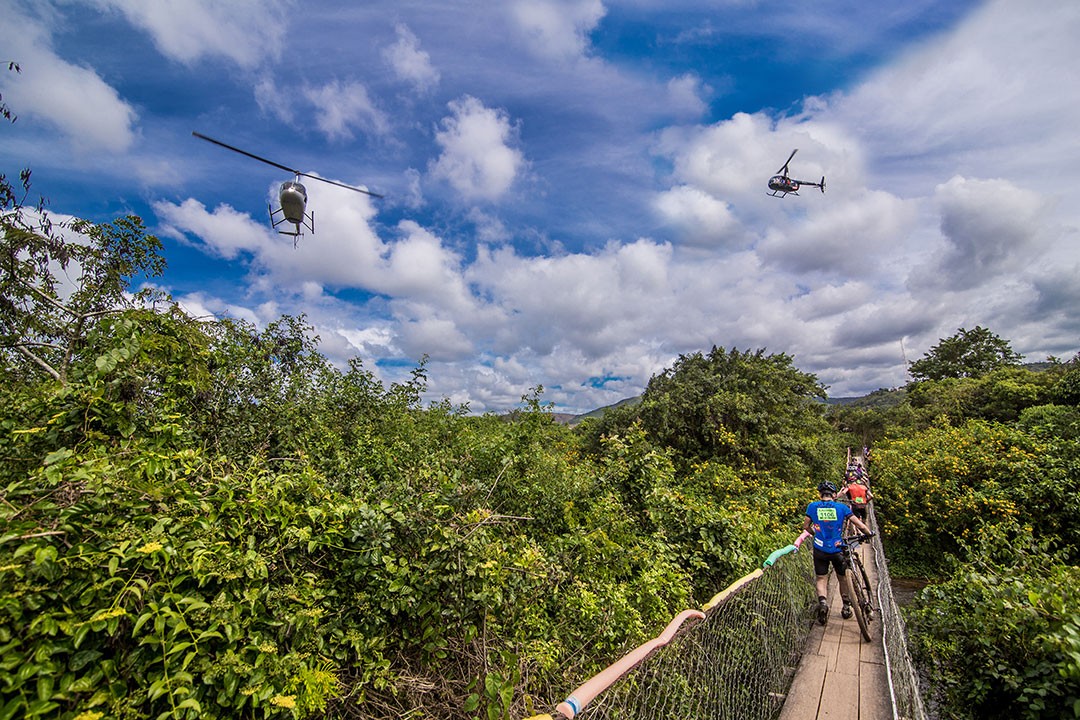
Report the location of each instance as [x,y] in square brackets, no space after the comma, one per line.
[860,524]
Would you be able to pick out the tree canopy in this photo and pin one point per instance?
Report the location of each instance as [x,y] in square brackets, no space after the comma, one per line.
[968,353]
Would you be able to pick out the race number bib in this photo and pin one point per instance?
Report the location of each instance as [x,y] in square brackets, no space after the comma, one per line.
[825,514]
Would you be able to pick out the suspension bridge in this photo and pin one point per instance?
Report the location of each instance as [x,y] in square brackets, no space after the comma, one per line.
[756,652]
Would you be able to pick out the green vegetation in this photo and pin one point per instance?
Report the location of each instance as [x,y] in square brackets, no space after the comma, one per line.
[968,353]
[977,487]
[1001,635]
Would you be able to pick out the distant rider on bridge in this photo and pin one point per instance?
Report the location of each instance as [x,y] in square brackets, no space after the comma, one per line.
[858,493]
[825,519]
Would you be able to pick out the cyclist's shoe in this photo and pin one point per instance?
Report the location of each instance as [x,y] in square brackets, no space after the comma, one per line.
[822,611]
[846,612]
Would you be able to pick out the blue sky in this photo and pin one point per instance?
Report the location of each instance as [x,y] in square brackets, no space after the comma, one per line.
[575,189]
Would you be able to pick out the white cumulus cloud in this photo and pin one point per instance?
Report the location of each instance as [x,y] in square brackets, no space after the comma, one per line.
[74,98]
[558,29]
[477,158]
[340,107]
[244,31]
[704,219]
[409,62]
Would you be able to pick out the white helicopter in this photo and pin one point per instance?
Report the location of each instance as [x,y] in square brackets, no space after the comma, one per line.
[292,196]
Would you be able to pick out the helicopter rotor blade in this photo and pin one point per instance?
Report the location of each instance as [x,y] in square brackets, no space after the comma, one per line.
[783,168]
[294,171]
[342,185]
[253,156]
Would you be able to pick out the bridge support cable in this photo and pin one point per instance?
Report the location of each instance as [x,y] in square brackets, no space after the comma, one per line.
[904,690]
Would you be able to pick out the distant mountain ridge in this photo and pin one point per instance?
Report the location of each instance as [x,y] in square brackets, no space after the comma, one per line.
[598,412]
[879,399]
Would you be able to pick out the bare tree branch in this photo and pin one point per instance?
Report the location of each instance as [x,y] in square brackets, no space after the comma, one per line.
[41,363]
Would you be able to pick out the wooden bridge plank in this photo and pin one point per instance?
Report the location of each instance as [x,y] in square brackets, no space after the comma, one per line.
[833,631]
[805,692]
[874,703]
[839,697]
[850,648]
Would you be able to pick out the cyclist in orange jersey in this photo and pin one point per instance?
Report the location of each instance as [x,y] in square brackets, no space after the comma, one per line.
[858,494]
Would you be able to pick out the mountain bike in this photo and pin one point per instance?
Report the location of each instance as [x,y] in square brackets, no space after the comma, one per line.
[856,583]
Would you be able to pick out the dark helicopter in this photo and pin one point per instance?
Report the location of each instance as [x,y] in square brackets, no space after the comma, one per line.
[782,185]
[292,196]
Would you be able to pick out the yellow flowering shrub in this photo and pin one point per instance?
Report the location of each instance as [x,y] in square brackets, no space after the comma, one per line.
[944,485]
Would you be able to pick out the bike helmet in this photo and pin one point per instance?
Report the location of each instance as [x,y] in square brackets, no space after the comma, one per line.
[826,487]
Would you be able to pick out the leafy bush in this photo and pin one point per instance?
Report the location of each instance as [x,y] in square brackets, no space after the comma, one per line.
[1002,635]
[1067,389]
[942,486]
[351,553]
[1000,395]
[1061,422]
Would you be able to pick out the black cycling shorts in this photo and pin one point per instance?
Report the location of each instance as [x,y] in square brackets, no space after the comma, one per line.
[859,511]
[822,560]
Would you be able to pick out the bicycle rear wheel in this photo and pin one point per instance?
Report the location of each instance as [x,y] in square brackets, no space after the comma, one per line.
[863,580]
[854,593]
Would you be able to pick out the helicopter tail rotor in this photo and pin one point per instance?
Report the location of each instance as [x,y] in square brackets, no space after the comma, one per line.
[822,184]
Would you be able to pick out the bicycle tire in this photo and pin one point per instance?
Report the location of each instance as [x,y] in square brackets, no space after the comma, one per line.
[864,580]
[855,593]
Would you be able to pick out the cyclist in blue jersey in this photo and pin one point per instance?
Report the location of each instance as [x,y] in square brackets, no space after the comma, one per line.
[825,519]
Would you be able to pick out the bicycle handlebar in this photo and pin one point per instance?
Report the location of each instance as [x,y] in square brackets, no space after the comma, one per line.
[859,538]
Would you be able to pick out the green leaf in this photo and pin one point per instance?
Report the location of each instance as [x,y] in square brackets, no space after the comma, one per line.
[40,707]
[178,647]
[27,671]
[83,658]
[57,456]
[8,711]
[157,689]
[80,635]
[45,686]
[190,703]
[140,622]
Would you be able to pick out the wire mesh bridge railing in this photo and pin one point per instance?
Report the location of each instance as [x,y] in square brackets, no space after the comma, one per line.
[904,692]
[735,658]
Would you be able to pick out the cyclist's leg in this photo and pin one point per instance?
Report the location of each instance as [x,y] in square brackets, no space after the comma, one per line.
[821,584]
